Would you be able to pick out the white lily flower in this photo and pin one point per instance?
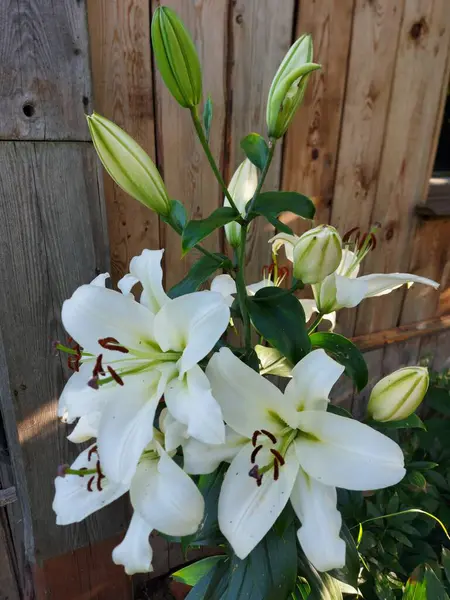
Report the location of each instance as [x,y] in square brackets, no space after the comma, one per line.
[163,496]
[226,286]
[294,448]
[133,353]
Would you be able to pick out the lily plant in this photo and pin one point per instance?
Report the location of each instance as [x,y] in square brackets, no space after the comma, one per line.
[170,388]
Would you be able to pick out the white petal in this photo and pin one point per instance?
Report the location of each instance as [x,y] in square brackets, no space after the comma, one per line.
[312,380]
[349,292]
[166,496]
[100,280]
[126,426]
[73,502]
[146,268]
[255,287]
[286,240]
[135,552]
[201,459]
[246,511]
[86,428]
[345,453]
[126,284]
[248,401]
[309,306]
[380,284]
[243,185]
[94,313]
[348,258]
[192,324]
[191,402]
[78,398]
[315,506]
[175,433]
[225,285]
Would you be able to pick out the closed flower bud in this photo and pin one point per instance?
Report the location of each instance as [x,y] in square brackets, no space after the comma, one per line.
[289,85]
[316,254]
[176,57]
[398,395]
[128,164]
[242,187]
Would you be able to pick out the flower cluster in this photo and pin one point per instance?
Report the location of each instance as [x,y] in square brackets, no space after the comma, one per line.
[163,397]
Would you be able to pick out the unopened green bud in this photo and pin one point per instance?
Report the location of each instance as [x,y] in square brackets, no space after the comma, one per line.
[289,85]
[128,164]
[176,57]
[242,187]
[398,395]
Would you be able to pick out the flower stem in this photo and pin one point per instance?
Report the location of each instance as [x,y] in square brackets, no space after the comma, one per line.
[272,146]
[204,142]
[241,289]
[315,323]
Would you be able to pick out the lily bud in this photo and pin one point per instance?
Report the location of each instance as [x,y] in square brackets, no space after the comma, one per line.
[398,395]
[176,57]
[128,164]
[242,186]
[317,254]
[289,85]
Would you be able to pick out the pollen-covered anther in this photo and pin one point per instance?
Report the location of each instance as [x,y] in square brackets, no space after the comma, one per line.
[271,437]
[255,436]
[348,236]
[276,469]
[110,343]
[254,454]
[98,368]
[89,484]
[93,450]
[100,476]
[278,456]
[117,378]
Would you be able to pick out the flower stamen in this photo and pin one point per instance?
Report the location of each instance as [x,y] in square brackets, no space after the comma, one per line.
[110,343]
[255,437]
[276,470]
[278,457]
[115,375]
[254,454]
[271,437]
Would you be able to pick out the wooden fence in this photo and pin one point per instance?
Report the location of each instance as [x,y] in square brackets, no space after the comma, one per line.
[362,146]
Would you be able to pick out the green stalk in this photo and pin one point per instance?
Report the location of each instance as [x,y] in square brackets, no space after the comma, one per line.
[315,323]
[241,288]
[272,146]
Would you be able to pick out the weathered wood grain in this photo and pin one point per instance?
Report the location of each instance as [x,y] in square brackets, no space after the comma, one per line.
[52,240]
[261,34]
[123,92]
[420,69]
[9,587]
[186,171]
[311,145]
[44,70]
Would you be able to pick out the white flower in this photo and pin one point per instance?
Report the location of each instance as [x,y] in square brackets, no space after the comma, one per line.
[226,286]
[242,186]
[295,449]
[136,352]
[163,496]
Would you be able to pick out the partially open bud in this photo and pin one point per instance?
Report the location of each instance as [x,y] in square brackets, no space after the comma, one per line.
[128,164]
[289,85]
[242,187]
[398,395]
[176,57]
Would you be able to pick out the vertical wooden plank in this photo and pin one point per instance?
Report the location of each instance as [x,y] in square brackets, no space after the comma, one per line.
[9,589]
[44,70]
[261,33]
[414,109]
[186,171]
[311,145]
[123,92]
[373,49]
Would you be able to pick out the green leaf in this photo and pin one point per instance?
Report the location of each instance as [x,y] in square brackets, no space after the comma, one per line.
[212,584]
[207,116]
[272,204]
[302,590]
[195,231]
[339,410]
[198,273]
[424,585]
[345,353]
[322,585]
[401,537]
[416,480]
[439,399]
[413,421]
[422,465]
[256,149]
[446,562]
[349,573]
[177,216]
[280,319]
[192,574]
[273,362]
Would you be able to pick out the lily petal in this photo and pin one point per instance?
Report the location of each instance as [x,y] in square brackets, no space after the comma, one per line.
[190,401]
[315,506]
[312,380]
[349,291]
[146,268]
[246,511]
[100,280]
[93,313]
[86,428]
[248,401]
[191,324]
[344,453]
[259,285]
[126,426]
[381,284]
[348,259]
[135,552]
[166,496]
[73,502]
[175,433]
[202,459]
[225,285]
[286,240]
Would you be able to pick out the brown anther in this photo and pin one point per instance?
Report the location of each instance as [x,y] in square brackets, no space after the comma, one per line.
[111,343]
[93,383]
[347,236]
[82,469]
[255,453]
[92,451]
[278,456]
[115,376]
[255,437]
[271,437]
[276,470]
[373,240]
[98,368]
[100,476]
[89,484]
